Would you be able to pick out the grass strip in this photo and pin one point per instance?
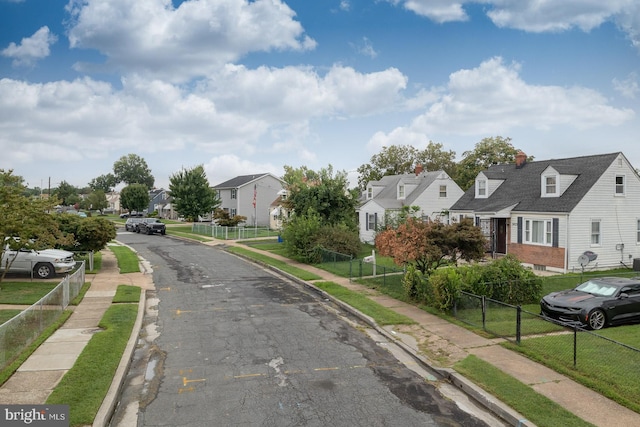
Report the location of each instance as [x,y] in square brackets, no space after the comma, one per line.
[10,369]
[381,314]
[25,293]
[533,406]
[127,294]
[187,235]
[281,265]
[81,294]
[127,259]
[86,384]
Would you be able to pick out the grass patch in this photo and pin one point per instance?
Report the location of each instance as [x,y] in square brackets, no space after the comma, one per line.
[281,265]
[10,369]
[85,385]
[6,315]
[127,259]
[83,290]
[382,315]
[24,293]
[535,407]
[127,294]
[185,231]
[97,262]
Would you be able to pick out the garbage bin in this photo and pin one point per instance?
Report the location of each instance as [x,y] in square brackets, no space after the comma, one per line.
[636,264]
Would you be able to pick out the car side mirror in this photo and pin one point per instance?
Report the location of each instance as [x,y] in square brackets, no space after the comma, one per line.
[623,295]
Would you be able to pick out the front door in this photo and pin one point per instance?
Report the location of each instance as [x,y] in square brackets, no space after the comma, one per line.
[500,233]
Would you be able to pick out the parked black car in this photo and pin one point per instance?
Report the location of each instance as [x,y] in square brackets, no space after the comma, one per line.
[596,303]
[132,224]
[151,225]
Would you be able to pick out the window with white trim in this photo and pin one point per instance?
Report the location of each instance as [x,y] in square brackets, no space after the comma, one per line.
[232,213]
[596,237]
[372,221]
[369,192]
[550,183]
[443,191]
[538,231]
[233,193]
[481,188]
[620,191]
[401,191]
[638,231]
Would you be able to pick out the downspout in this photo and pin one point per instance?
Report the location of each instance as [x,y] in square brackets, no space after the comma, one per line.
[566,245]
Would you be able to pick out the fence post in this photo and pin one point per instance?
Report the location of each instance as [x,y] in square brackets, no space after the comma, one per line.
[484,312]
[575,346]
[518,324]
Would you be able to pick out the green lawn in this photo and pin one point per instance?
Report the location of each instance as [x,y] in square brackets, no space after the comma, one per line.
[128,261]
[24,293]
[294,271]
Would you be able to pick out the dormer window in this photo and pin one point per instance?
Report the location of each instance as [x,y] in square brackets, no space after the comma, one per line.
[369,192]
[401,191]
[481,188]
[550,186]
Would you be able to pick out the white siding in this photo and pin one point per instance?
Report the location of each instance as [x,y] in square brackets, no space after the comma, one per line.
[430,202]
[370,208]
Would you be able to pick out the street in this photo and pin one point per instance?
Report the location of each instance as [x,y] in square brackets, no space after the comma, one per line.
[227,343]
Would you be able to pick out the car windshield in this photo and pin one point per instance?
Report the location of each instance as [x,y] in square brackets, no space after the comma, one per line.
[595,288]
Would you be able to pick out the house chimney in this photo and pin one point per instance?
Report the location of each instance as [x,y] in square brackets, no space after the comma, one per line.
[418,169]
[521,159]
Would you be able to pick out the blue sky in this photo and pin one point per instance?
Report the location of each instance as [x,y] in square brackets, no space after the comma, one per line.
[250,86]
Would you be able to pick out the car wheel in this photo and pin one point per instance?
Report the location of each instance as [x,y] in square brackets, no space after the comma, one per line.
[597,319]
[163,232]
[149,231]
[44,271]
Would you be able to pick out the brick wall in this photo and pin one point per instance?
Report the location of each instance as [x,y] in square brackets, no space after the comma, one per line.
[540,255]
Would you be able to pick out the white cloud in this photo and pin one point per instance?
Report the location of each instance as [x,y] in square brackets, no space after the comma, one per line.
[365,48]
[538,15]
[493,99]
[152,37]
[227,166]
[628,87]
[31,48]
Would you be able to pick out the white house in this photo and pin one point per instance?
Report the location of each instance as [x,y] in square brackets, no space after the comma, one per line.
[559,215]
[250,196]
[432,193]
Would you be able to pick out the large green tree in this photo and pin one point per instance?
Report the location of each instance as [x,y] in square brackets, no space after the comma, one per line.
[97,200]
[90,234]
[25,222]
[67,193]
[133,169]
[401,159]
[489,151]
[191,194]
[134,197]
[103,182]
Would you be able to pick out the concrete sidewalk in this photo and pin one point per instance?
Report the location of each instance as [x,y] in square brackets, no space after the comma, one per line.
[445,338]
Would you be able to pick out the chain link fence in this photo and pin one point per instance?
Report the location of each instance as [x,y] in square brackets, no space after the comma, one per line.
[232,233]
[20,331]
[354,268]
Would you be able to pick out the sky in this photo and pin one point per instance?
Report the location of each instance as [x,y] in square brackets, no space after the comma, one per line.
[243,87]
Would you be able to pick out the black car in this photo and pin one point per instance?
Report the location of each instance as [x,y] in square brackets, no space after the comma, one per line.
[597,303]
[150,226]
[132,224]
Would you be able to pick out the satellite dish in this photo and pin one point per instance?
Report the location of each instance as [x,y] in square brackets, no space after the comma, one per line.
[583,260]
[591,255]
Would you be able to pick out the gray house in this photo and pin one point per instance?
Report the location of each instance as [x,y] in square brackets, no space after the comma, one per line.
[250,196]
[559,215]
[433,193]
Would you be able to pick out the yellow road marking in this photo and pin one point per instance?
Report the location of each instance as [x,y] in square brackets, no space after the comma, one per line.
[185,381]
[326,369]
[248,375]
[184,390]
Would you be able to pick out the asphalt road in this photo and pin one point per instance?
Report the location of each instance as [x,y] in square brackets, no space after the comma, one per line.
[227,343]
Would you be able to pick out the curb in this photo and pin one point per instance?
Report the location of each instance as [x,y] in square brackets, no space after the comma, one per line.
[110,401]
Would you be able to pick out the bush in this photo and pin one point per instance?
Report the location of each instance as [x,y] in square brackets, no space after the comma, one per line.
[339,238]
[445,285]
[299,236]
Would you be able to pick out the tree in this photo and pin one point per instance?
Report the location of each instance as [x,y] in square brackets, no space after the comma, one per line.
[327,195]
[133,169]
[134,197]
[191,194]
[401,159]
[24,221]
[429,245]
[97,200]
[67,193]
[103,182]
[489,151]
[90,234]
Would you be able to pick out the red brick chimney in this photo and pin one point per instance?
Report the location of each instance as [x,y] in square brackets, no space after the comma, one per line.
[521,159]
[418,169]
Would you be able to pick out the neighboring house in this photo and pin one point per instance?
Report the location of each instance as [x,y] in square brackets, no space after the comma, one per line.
[250,196]
[557,214]
[433,193]
[279,213]
[113,201]
[158,199]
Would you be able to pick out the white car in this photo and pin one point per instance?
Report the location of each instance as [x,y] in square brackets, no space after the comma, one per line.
[44,264]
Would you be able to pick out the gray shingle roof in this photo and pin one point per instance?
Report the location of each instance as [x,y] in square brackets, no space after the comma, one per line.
[388,199]
[239,181]
[521,187]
